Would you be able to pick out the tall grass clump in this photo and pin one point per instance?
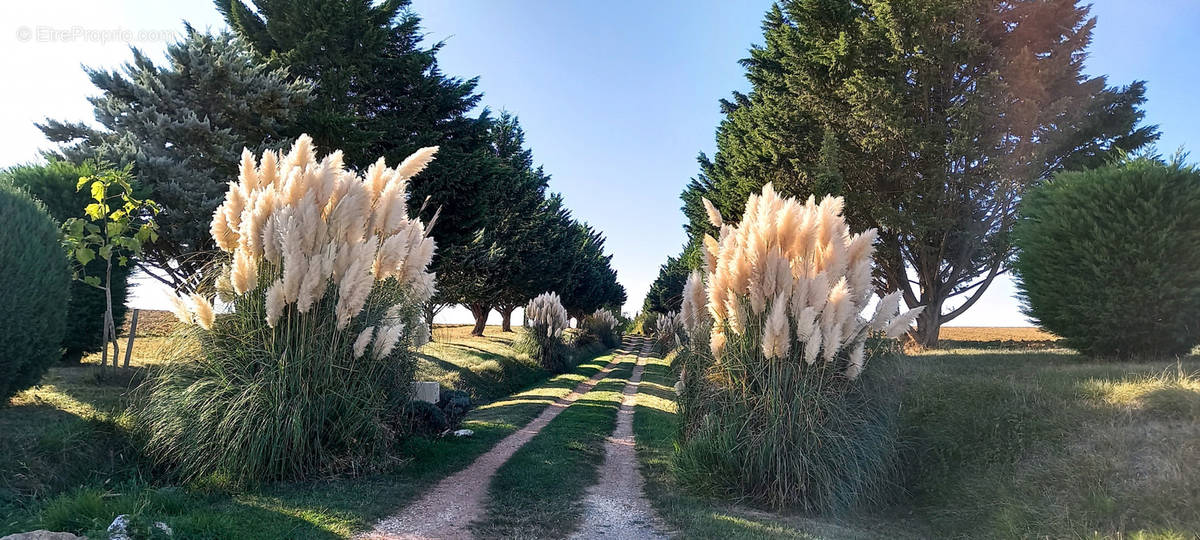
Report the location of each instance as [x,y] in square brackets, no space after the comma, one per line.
[604,326]
[670,332]
[33,301]
[1109,258]
[325,275]
[776,402]
[545,321]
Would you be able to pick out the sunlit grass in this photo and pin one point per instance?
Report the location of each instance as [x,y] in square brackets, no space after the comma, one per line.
[1004,443]
[70,432]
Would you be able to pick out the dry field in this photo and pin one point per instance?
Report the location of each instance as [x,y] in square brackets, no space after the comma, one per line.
[998,333]
[1013,337]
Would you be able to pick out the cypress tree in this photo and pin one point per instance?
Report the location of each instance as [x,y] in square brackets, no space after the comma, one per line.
[931,117]
[379,93]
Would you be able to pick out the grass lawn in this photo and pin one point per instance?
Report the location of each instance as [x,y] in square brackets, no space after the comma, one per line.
[1003,443]
[70,464]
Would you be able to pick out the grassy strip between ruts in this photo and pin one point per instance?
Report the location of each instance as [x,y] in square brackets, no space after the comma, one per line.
[321,509]
[539,492]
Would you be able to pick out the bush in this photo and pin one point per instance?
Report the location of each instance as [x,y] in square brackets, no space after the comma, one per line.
[776,402]
[645,323]
[455,404]
[603,325]
[33,301]
[309,372]
[545,322]
[1109,259]
[54,185]
[424,419]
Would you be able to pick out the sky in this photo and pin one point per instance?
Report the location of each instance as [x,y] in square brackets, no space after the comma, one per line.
[617,98]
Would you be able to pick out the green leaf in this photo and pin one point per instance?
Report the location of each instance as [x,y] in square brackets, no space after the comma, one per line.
[84,255]
[123,260]
[74,227]
[92,280]
[92,228]
[106,251]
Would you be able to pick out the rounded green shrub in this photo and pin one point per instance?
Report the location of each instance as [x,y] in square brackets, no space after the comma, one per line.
[54,185]
[1109,258]
[33,301]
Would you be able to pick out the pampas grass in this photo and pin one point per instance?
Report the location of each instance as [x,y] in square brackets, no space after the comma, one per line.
[545,321]
[778,397]
[603,325]
[325,275]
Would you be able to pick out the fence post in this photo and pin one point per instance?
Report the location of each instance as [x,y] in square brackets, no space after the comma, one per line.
[132,333]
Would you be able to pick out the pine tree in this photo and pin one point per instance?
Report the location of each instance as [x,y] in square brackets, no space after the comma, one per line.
[933,117]
[183,127]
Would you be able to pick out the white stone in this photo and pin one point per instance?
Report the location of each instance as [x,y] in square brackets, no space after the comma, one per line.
[463,433]
[426,391]
[43,534]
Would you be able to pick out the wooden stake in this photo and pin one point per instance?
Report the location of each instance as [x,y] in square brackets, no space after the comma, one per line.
[132,333]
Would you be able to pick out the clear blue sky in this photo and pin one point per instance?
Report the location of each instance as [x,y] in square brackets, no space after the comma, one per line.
[617,98]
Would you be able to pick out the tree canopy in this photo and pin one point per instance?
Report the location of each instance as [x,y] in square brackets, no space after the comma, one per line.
[932,118]
[183,127]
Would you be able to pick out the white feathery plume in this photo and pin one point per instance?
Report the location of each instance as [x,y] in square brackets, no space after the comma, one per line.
[363,339]
[714,216]
[795,264]
[812,348]
[775,341]
[416,162]
[857,356]
[386,338]
[181,310]
[717,343]
[885,311]
[901,323]
[204,311]
[243,275]
[274,303]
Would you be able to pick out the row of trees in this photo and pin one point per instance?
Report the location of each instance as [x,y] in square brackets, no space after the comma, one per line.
[931,117]
[354,75]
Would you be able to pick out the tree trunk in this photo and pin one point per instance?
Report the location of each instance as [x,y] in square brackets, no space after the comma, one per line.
[110,329]
[429,313]
[480,312]
[929,325]
[104,342]
[506,317]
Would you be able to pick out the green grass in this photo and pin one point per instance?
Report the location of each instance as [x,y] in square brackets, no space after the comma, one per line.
[540,490]
[1001,444]
[487,367]
[1049,444]
[69,464]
